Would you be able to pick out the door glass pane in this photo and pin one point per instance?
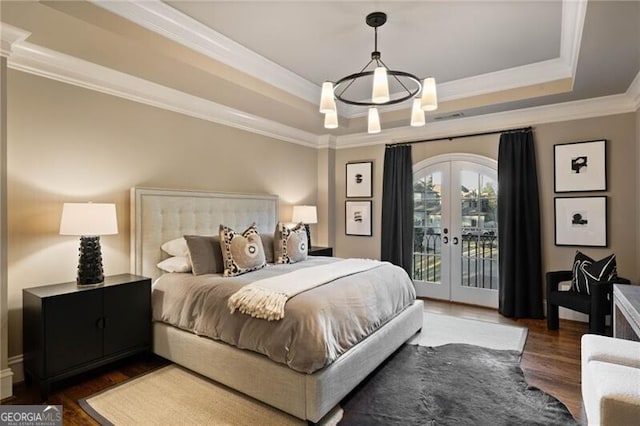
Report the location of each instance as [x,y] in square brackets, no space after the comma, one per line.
[479,229]
[427,255]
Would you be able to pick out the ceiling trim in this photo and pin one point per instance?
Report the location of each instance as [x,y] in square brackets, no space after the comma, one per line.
[10,35]
[34,59]
[574,110]
[161,18]
[634,92]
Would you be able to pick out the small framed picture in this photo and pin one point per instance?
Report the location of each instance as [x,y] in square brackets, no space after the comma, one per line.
[359,179]
[358,218]
[580,166]
[581,221]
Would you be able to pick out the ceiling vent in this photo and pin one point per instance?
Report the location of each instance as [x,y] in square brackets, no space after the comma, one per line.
[449,116]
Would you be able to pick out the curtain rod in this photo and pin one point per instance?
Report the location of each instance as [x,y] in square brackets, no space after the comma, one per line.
[460,136]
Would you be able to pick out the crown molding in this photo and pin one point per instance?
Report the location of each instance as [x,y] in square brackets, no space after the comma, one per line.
[327,141]
[574,110]
[634,92]
[161,18]
[10,35]
[34,59]
[573,16]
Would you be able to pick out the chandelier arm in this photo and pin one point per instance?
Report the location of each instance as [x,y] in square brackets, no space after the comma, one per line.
[353,77]
[352,80]
[396,78]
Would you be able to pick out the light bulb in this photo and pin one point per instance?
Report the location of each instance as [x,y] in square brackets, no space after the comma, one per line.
[429,98]
[380,91]
[374,121]
[331,120]
[417,114]
[327,100]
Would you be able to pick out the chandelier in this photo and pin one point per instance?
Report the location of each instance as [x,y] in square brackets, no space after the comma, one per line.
[410,86]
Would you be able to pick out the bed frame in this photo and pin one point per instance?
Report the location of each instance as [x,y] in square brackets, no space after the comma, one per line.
[159,215]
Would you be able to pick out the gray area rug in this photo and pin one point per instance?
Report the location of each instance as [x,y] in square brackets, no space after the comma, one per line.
[454,384]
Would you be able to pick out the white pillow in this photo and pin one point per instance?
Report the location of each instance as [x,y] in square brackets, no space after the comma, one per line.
[175,264]
[177,247]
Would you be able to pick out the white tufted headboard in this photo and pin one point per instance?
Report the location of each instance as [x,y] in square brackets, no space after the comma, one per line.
[160,215]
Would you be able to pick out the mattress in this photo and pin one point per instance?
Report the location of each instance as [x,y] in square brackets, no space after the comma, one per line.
[318,326]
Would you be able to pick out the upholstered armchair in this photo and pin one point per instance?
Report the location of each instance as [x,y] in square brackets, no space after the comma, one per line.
[597,304]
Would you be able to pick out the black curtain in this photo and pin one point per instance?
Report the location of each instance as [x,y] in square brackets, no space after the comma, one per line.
[519,227]
[397,207]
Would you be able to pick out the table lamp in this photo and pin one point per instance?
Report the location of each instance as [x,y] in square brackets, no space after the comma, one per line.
[306,215]
[89,221]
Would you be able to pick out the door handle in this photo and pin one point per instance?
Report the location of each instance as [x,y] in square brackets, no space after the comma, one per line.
[445,240]
[455,240]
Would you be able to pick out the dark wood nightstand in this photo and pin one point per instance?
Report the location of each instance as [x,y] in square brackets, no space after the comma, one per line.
[320,251]
[69,330]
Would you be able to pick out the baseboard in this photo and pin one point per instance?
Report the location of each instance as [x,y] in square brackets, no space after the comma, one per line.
[16,364]
[6,383]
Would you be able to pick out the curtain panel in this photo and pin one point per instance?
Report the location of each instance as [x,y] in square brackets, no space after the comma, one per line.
[520,267]
[397,207]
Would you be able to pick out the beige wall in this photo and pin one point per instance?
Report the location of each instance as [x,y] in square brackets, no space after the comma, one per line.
[347,246]
[70,144]
[619,130]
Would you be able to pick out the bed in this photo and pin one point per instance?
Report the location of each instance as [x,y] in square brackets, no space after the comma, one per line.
[160,215]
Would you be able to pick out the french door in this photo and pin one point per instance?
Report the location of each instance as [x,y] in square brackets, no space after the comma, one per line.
[455,231]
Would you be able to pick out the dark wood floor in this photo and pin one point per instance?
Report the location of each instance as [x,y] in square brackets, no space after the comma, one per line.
[551,362]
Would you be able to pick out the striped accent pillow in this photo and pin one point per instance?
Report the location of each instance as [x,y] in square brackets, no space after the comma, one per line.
[586,271]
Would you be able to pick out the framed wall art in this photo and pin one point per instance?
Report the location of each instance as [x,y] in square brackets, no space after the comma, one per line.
[359,179]
[581,221]
[580,166]
[358,218]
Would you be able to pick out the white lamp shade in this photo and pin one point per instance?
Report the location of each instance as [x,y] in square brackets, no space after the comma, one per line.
[429,97]
[327,99]
[88,219]
[331,120]
[304,214]
[417,114]
[380,90]
[374,121]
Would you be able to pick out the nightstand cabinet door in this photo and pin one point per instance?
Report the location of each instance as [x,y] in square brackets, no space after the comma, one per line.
[127,315]
[69,330]
[72,331]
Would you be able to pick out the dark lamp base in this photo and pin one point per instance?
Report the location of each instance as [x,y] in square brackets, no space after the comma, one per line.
[306,227]
[90,271]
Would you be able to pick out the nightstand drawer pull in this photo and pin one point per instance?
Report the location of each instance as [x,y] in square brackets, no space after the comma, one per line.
[101,323]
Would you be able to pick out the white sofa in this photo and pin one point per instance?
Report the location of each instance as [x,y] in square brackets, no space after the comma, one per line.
[610,380]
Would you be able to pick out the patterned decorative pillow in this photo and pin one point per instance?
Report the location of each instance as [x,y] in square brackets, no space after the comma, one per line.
[241,253]
[290,243]
[586,270]
[603,270]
